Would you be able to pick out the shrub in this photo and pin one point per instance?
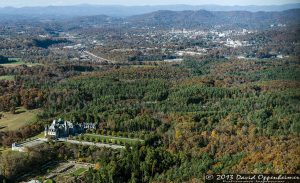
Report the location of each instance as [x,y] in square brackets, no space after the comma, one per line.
[142,136]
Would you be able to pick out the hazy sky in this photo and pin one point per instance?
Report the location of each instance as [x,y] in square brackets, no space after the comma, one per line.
[21,3]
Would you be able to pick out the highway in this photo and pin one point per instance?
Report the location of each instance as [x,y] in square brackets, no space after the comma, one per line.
[99,59]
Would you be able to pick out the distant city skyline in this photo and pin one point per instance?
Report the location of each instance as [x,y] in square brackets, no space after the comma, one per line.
[26,3]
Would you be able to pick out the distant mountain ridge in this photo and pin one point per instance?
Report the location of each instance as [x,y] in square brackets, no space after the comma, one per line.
[200,19]
[123,11]
[203,18]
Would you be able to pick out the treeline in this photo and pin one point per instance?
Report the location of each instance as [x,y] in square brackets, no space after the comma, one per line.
[3,59]
[9,137]
[30,86]
[45,43]
[146,164]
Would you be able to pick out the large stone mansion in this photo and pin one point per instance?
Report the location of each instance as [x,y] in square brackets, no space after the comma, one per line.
[60,128]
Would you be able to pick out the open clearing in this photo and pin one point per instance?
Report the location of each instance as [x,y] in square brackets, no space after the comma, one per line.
[121,139]
[22,117]
[7,77]
[18,62]
[79,171]
[15,64]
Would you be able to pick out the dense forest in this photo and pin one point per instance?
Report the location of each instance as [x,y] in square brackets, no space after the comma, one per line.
[197,117]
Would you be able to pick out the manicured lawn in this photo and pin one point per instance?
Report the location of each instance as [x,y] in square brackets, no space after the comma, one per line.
[22,117]
[8,77]
[41,135]
[121,139]
[79,171]
[49,181]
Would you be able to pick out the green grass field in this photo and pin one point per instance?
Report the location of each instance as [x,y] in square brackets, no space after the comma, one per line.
[18,62]
[8,77]
[22,117]
[121,139]
[79,171]
[49,181]
[41,135]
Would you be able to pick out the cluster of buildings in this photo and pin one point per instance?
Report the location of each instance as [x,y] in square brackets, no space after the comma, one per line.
[236,43]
